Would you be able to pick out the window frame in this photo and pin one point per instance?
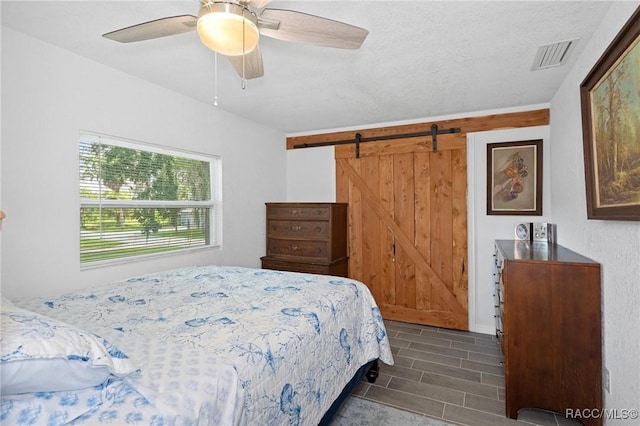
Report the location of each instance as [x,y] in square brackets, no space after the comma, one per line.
[214,204]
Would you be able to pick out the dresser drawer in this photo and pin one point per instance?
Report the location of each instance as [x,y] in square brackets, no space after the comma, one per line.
[295,248]
[298,229]
[338,268]
[298,212]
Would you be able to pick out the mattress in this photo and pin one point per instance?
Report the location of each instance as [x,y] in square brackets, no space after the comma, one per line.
[214,345]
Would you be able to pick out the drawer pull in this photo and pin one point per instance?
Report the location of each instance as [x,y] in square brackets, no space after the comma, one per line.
[295,228]
[318,229]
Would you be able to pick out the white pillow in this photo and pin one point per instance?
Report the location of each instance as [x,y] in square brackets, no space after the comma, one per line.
[41,354]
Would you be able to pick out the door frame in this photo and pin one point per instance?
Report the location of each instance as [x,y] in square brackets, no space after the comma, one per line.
[481,242]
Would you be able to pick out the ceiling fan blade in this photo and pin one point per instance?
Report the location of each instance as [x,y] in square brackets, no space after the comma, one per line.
[154,29]
[252,64]
[289,25]
[258,4]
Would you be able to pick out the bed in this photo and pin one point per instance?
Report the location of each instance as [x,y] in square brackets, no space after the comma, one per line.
[208,345]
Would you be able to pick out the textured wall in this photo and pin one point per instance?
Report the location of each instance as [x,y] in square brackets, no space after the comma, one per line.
[616,245]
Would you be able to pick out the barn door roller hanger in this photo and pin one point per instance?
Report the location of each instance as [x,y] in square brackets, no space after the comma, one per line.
[358,139]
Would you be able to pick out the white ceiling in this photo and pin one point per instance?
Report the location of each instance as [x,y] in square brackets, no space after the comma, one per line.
[421,58]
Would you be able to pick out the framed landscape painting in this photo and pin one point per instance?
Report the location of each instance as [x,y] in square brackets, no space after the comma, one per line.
[514,178]
[610,98]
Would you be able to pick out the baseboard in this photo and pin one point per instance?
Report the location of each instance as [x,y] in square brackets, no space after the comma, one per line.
[482,328]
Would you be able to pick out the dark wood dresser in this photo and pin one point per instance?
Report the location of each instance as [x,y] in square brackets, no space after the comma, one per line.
[307,237]
[548,322]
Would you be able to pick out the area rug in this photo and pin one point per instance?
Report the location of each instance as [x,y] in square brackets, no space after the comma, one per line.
[361,412]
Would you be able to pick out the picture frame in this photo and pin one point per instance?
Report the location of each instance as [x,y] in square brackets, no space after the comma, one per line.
[610,104]
[514,178]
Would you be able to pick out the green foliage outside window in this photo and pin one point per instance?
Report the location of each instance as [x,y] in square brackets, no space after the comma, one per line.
[130,194]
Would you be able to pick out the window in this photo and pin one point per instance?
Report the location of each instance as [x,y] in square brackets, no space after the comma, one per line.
[138,199]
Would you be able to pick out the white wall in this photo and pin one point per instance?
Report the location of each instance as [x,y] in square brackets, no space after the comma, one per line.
[615,244]
[311,175]
[48,96]
[484,229]
[0,154]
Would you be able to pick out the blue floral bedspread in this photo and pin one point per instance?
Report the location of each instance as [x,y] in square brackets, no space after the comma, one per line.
[216,345]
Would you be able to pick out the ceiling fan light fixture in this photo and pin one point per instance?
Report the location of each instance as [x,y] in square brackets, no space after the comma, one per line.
[223,27]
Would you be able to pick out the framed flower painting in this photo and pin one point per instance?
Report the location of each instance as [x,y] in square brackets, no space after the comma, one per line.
[514,178]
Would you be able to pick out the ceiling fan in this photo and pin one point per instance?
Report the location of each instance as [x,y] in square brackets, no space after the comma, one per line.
[233,27]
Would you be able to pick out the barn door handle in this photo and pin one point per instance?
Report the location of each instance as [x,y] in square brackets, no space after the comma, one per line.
[434,137]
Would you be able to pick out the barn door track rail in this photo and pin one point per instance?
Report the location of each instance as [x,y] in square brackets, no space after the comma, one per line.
[358,139]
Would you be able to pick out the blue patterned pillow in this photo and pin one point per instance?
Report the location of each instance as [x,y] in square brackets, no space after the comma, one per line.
[41,354]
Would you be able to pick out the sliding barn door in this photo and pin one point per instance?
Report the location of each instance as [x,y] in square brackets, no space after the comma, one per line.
[408,226]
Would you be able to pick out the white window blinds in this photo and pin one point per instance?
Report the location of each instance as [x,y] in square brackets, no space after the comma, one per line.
[139,200]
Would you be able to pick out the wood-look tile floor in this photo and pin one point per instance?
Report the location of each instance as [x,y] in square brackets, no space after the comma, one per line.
[449,375]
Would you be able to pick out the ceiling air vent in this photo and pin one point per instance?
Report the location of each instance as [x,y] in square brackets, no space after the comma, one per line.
[552,55]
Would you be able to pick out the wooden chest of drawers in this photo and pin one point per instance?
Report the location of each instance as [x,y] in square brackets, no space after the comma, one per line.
[307,237]
[547,301]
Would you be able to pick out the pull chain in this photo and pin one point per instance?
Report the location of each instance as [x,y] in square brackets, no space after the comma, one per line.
[215,80]
[243,81]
